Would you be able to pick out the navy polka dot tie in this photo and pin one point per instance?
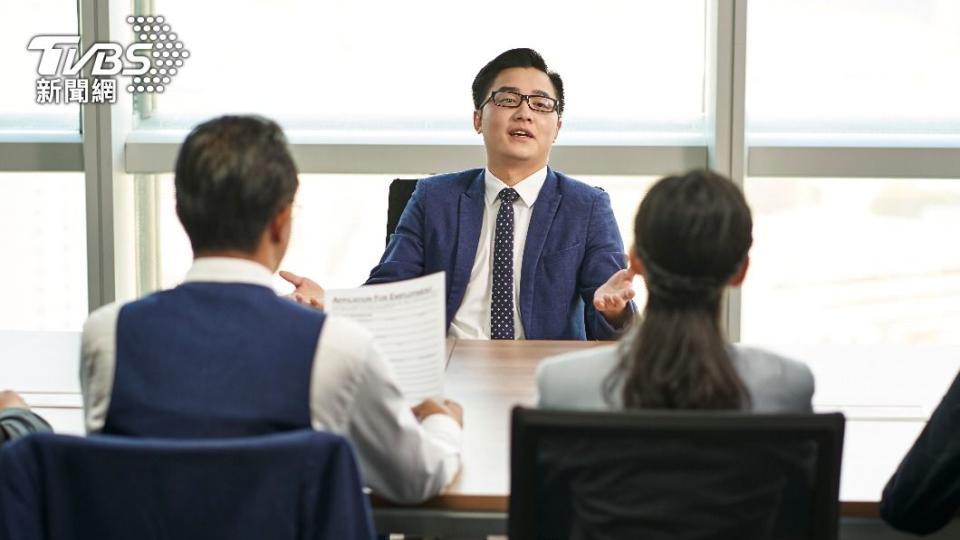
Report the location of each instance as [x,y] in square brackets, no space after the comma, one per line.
[501,302]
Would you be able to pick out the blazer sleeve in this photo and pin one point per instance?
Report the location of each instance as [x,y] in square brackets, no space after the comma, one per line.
[924,494]
[404,256]
[603,257]
[16,423]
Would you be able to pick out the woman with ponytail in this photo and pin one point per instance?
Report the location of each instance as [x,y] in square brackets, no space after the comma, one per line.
[692,236]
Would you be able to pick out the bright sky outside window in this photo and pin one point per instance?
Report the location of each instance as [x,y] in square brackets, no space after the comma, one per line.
[19,22]
[43,283]
[853,261]
[853,67]
[331,66]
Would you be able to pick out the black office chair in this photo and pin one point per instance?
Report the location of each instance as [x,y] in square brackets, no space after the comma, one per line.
[400,191]
[674,474]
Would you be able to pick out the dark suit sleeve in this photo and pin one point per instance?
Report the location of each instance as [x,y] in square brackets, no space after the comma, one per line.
[924,494]
[403,258]
[603,257]
[16,423]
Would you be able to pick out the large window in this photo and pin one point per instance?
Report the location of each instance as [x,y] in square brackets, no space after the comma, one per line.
[839,117]
[339,228]
[853,261]
[19,111]
[853,67]
[43,280]
[348,69]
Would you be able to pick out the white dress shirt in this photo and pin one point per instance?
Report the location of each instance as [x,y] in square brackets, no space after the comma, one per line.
[353,392]
[472,320]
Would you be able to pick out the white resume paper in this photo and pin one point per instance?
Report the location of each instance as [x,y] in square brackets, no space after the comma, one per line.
[407,320]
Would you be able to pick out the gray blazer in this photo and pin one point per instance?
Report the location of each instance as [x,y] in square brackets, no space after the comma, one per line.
[575,380]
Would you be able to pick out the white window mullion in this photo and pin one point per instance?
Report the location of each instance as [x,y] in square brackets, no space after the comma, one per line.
[110,252]
[726,81]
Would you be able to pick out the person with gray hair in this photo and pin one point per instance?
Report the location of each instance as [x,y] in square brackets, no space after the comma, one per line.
[221,355]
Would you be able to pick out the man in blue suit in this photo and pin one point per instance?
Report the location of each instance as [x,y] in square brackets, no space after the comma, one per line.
[529,252]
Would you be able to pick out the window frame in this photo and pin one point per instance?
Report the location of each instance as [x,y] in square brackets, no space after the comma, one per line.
[112,155]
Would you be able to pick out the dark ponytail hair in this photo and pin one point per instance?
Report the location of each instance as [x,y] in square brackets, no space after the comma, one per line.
[692,233]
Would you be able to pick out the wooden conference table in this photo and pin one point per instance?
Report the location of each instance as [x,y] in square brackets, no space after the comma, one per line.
[886,391]
[490,377]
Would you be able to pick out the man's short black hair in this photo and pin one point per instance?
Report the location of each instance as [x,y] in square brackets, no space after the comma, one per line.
[514,58]
[233,175]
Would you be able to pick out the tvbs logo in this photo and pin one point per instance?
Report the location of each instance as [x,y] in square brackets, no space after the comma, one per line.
[149,62]
[107,57]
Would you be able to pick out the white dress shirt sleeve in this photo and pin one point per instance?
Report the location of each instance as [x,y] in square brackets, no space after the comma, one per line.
[354,392]
[98,359]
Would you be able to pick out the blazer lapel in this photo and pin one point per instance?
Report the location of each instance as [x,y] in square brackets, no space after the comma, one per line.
[544,210]
[470,218]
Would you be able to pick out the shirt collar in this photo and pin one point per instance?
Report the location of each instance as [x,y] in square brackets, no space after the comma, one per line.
[229,270]
[528,188]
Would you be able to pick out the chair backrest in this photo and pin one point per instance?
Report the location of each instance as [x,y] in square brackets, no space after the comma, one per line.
[400,191]
[674,474]
[294,485]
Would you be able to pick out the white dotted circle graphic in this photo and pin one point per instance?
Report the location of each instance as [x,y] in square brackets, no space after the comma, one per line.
[140,19]
[149,89]
[178,45]
[156,54]
[165,54]
[160,19]
[173,71]
[136,79]
[166,80]
[130,88]
[149,19]
[131,19]
[185,54]
[175,54]
[159,89]
[136,28]
[143,37]
[140,89]
[179,63]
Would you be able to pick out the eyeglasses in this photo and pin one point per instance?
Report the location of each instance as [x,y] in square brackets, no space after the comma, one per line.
[512,100]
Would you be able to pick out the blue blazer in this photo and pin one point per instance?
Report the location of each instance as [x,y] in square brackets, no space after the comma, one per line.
[573,246]
[299,485]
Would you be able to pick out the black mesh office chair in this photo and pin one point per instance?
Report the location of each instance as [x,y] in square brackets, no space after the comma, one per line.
[674,474]
[400,191]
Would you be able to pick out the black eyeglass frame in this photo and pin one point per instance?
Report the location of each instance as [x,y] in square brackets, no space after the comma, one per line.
[523,97]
